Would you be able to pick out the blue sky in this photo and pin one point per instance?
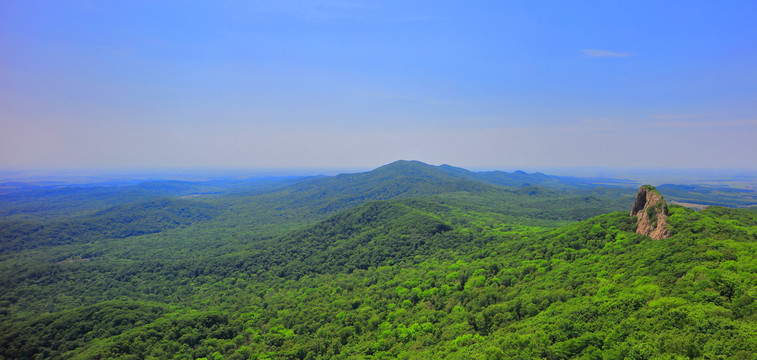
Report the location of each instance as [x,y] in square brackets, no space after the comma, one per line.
[309,84]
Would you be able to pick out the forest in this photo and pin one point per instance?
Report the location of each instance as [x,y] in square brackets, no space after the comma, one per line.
[407,261]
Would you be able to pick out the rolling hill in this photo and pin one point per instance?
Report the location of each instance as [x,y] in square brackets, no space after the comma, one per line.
[406,261]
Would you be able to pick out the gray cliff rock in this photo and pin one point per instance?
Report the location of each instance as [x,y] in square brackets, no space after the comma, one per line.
[651,212]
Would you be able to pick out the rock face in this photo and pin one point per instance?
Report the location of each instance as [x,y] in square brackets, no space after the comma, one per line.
[651,213]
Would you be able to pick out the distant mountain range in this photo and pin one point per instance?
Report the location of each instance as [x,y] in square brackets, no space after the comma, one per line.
[398,179]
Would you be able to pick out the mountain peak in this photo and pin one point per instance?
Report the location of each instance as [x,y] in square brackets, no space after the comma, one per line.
[651,213]
[405,163]
[405,167]
[448,173]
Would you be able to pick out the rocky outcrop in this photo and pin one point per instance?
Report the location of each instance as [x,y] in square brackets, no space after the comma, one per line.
[651,212]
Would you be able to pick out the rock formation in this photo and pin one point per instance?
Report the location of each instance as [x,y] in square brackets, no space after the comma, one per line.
[651,213]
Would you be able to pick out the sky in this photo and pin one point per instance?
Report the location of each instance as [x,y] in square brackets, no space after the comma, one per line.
[358,84]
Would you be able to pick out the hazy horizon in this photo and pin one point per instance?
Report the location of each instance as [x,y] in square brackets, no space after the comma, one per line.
[739,178]
[355,85]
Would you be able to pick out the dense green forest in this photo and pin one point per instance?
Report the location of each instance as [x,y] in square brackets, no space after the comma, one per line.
[406,261]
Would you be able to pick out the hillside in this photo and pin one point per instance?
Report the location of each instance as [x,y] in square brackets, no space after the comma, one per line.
[264,207]
[406,261]
[117,222]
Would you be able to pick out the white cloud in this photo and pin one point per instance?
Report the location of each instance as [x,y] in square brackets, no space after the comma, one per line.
[605,53]
[706,124]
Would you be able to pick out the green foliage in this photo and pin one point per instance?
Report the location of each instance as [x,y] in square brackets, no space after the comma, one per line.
[60,332]
[442,270]
[652,211]
[117,222]
[650,188]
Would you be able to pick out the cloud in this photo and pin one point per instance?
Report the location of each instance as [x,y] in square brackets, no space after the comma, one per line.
[605,53]
[706,124]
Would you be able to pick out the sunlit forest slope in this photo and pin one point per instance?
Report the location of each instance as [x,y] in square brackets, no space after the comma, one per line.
[407,261]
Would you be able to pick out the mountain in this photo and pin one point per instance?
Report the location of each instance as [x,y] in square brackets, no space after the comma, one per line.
[401,179]
[516,179]
[265,207]
[406,261]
